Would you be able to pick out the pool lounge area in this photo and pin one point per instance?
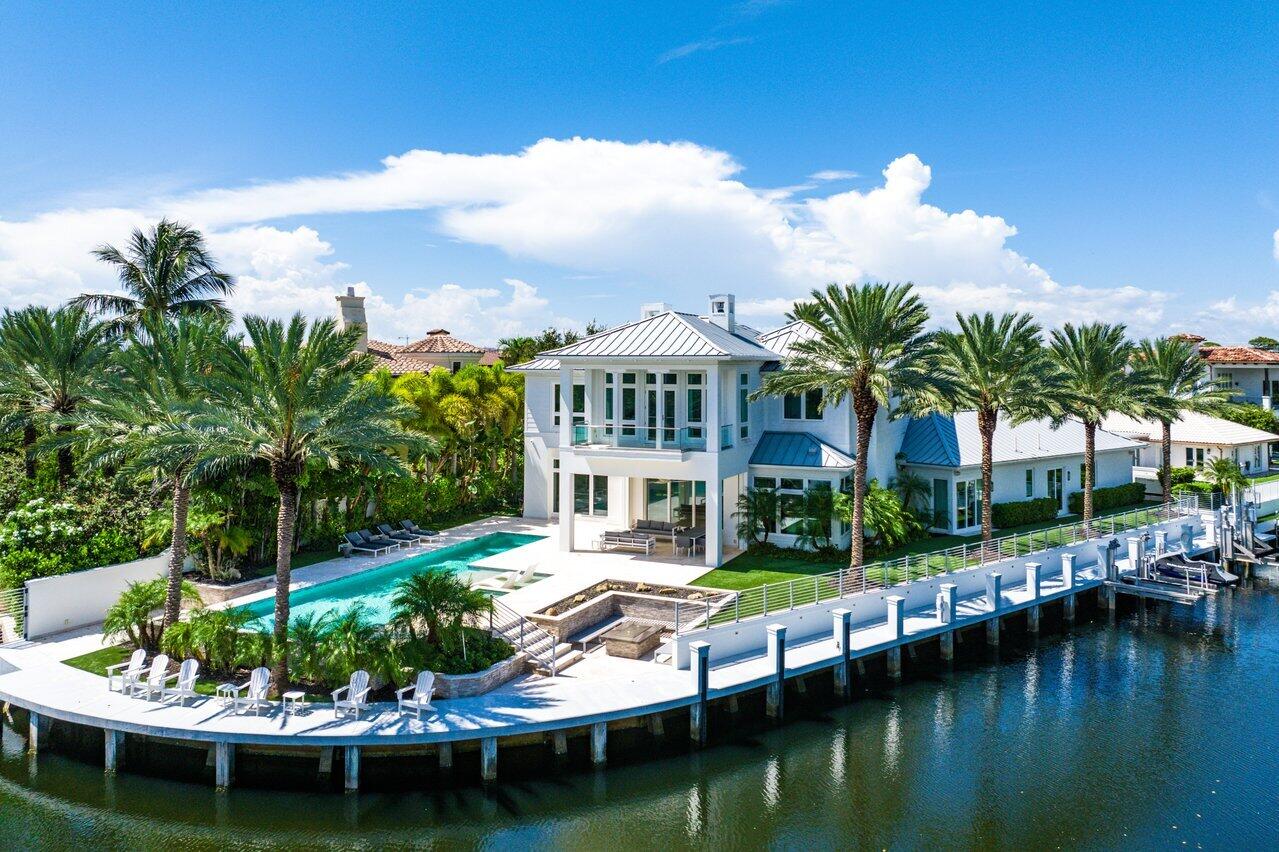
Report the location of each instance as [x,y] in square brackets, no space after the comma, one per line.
[374,587]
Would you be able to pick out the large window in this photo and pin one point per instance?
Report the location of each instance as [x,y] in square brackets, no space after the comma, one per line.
[805,406]
[678,501]
[1030,482]
[1055,485]
[967,503]
[693,403]
[1195,456]
[555,485]
[743,405]
[798,500]
[590,494]
[628,404]
[941,503]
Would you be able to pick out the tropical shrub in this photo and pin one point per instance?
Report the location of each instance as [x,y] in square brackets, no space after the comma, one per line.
[1021,512]
[1182,475]
[42,538]
[133,615]
[1204,488]
[1108,498]
[888,522]
[218,638]
[756,514]
[1252,415]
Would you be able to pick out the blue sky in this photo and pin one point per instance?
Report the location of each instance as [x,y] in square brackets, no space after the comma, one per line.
[1133,150]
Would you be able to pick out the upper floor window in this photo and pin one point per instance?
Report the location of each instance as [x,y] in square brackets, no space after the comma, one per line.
[805,406]
[743,404]
[1030,482]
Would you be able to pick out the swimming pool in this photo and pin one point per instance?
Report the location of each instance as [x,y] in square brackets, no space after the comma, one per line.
[374,587]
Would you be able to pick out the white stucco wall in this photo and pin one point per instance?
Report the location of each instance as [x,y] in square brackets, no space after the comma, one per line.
[55,604]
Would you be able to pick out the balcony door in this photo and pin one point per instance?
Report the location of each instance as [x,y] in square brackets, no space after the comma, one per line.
[1055,485]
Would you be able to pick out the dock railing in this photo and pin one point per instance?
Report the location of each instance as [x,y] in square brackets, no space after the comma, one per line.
[13,614]
[770,598]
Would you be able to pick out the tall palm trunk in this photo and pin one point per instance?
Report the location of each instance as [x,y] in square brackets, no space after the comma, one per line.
[66,463]
[986,422]
[288,488]
[1166,449]
[865,407]
[177,552]
[1090,445]
[29,436]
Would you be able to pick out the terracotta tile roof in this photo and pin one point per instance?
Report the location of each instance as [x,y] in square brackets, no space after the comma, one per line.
[438,341]
[1192,338]
[1238,355]
[490,357]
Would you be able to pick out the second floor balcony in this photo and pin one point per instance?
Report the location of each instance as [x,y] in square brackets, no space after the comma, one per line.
[624,437]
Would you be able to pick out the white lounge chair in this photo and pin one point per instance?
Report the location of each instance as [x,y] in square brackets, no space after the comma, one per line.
[421,694]
[128,672]
[511,579]
[156,677]
[257,687]
[185,686]
[356,692]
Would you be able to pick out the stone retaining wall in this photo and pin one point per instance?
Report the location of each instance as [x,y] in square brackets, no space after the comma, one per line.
[465,686]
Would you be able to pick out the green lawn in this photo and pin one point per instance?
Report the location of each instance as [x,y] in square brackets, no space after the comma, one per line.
[750,570]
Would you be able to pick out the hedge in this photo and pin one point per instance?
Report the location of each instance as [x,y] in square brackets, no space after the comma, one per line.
[1022,512]
[1204,488]
[1108,498]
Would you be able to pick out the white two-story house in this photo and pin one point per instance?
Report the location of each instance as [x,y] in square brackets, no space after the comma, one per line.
[652,420]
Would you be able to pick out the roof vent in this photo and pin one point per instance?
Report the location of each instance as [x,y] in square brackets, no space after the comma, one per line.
[652,309]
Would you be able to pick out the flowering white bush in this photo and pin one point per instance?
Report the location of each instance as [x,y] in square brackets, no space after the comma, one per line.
[41,523]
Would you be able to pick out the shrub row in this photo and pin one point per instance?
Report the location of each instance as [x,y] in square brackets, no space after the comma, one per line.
[1109,498]
[1022,512]
[1204,488]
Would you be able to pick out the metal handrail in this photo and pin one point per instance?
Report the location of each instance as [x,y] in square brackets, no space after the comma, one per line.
[502,618]
[771,598]
[13,604]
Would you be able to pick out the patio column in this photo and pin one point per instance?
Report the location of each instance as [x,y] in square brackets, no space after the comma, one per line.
[566,406]
[711,408]
[566,506]
[714,522]
[661,406]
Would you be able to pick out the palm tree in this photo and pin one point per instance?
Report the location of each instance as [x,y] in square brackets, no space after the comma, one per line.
[1225,475]
[139,422]
[756,513]
[51,361]
[1183,385]
[867,344]
[294,397]
[439,602]
[1098,377]
[165,273]
[996,366]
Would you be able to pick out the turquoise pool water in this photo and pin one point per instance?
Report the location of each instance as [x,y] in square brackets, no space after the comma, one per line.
[374,587]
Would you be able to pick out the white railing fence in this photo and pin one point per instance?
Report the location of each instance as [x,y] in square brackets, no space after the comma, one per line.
[772,598]
[13,614]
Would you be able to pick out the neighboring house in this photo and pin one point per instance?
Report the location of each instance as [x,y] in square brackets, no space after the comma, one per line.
[438,350]
[1198,439]
[1252,372]
[653,420]
[1031,460]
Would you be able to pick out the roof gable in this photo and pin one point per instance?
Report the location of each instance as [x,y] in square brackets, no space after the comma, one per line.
[665,335]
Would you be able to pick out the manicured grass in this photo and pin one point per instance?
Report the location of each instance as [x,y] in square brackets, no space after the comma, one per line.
[750,570]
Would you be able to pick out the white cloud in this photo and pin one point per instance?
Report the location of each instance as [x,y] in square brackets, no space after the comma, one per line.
[673,218]
[833,174]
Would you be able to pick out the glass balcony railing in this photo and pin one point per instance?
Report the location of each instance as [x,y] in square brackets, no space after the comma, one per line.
[640,437]
[727,436]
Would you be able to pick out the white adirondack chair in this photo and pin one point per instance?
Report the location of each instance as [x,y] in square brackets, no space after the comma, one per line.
[185,686]
[257,687]
[356,692]
[126,673]
[156,677]
[420,699]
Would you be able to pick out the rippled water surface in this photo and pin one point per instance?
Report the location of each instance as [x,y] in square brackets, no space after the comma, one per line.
[1159,732]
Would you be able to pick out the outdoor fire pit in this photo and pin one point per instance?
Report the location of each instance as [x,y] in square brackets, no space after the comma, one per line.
[631,640]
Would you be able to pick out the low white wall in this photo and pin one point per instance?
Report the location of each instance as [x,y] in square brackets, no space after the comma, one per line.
[75,600]
[803,623]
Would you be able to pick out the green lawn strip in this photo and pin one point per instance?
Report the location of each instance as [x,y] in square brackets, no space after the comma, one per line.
[96,662]
[750,570]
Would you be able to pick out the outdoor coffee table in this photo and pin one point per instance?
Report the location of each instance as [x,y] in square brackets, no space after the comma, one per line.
[632,640]
[293,701]
[226,693]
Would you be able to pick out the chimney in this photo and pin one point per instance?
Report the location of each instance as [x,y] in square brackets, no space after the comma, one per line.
[722,312]
[351,315]
[652,309]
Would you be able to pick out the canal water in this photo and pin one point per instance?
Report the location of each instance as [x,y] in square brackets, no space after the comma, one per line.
[1157,732]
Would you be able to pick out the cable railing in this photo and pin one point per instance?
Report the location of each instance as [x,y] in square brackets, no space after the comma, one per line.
[13,614]
[784,596]
[525,635]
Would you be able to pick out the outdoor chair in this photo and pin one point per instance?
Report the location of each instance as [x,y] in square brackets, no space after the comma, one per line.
[420,699]
[356,692]
[185,686]
[380,540]
[413,528]
[258,684]
[357,543]
[128,672]
[399,535]
[156,677]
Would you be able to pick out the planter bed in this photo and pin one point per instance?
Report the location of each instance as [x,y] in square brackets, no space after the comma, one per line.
[610,598]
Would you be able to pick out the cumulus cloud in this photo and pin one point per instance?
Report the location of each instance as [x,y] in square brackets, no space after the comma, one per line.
[675,218]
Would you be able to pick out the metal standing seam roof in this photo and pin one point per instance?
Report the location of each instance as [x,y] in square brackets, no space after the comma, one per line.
[1190,428]
[666,335]
[780,340]
[954,441]
[798,449]
[535,365]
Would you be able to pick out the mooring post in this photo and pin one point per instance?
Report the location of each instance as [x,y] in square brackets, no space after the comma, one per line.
[599,743]
[700,653]
[1136,556]
[897,632]
[655,726]
[559,742]
[488,759]
[223,764]
[351,768]
[34,724]
[994,601]
[114,753]
[444,754]
[775,694]
[842,621]
[1161,542]
[947,603]
[1187,538]
[1033,586]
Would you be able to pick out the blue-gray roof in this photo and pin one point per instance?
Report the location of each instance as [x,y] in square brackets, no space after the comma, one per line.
[797,449]
[954,441]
